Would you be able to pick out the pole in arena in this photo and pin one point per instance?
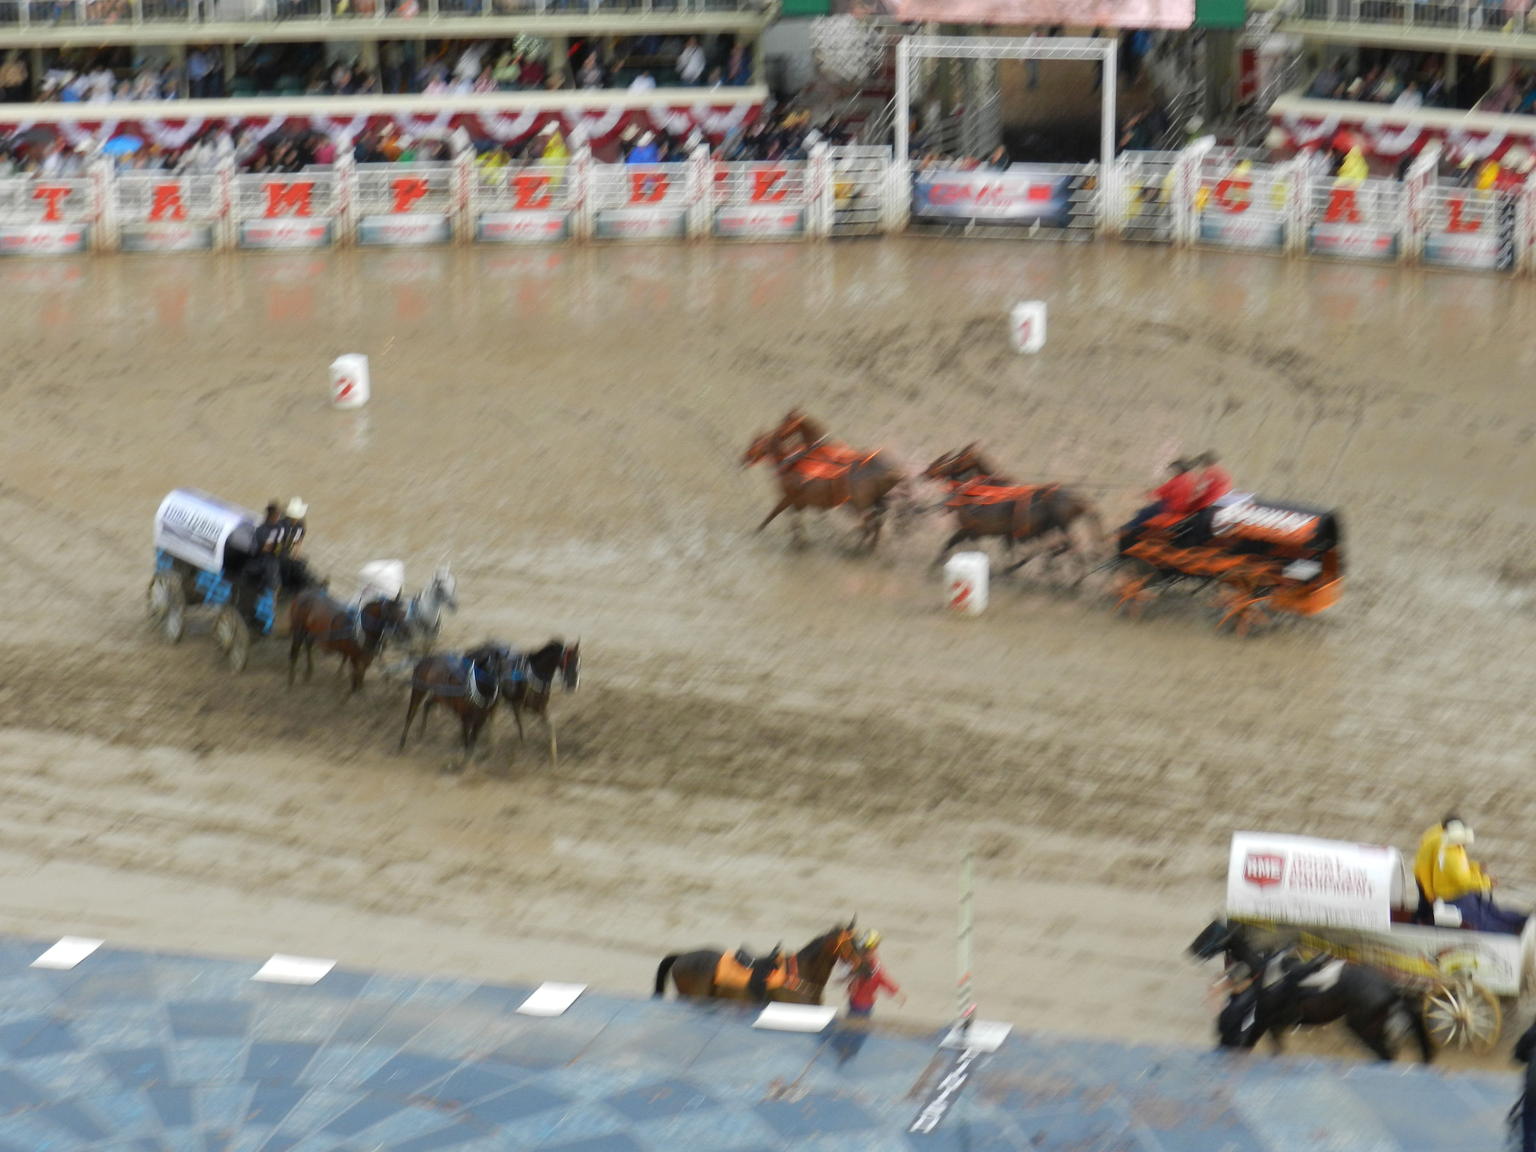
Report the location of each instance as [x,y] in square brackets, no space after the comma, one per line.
[911,49]
[1026,325]
[349,381]
[965,1000]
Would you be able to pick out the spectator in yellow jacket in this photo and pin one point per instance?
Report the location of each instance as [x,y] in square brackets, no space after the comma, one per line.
[1445,873]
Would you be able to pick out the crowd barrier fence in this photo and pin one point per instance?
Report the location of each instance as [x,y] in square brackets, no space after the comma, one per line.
[1201,196]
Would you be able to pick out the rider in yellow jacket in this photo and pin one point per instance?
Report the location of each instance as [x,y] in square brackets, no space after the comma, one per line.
[1445,873]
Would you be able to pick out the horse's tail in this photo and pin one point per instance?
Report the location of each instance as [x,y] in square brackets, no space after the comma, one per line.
[1420,1029]
[662,971]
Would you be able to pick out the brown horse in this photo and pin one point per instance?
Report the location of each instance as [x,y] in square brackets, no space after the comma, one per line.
[464,685]
[799,979]
[825,476]
[986,503]
[527,680]
[354,634]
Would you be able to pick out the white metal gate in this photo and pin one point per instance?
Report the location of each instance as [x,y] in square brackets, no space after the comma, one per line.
[533,203]
[759,200]
[860,177]
[1358,220]
[1469,228]
[298,210]
[1241,203]
[1140,198]
[166,212]
[404,203]
[642,201]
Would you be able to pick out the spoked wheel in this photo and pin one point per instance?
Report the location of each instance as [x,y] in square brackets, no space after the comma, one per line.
[168,605]
[1244,611]
[1133,591]
[1463,1015]
[233,636]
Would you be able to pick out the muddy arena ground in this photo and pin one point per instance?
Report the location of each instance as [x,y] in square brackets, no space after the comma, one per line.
[764,740]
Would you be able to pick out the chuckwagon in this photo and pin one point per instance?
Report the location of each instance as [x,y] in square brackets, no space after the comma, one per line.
[1263,556]
[1358,902]
[203,562]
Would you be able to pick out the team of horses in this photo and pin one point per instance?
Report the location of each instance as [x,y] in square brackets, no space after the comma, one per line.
[471,685]
[812,471]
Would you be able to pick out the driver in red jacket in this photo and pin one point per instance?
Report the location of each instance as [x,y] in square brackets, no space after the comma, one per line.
[1172,498]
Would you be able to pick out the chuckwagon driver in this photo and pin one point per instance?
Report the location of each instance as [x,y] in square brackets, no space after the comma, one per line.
[266,544]
[1445,873]
[290,542]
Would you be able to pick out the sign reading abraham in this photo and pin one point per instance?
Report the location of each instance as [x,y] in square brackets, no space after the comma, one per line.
[1074,14]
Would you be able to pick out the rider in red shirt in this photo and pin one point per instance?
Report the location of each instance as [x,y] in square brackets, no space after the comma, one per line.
[1171,498]
[869,979]
[1212,484]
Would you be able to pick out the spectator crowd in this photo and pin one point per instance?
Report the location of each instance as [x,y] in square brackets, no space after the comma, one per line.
[1410,80]
[433,68]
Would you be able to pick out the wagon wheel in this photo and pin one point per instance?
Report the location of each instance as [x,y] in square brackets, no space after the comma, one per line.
[233,637]
[1133,590]
[168,605]
[1244,610]
[1463,1014]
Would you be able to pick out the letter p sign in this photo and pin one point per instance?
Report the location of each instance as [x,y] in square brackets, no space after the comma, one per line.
[408,190]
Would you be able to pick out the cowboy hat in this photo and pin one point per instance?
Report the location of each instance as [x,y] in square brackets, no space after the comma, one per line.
[297,509]
[1458,834]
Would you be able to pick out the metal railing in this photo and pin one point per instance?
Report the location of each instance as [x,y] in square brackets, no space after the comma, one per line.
[109,13]
[1509,16]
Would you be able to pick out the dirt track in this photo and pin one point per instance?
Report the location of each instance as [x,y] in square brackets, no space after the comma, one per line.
[764,740]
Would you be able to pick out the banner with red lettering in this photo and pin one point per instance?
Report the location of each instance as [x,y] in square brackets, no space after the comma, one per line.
[640,202]
[1357,221]
[289,211]
[1023,194]
[523,206]
[1470,228]
[46,217]
[1319,883]
[163,212]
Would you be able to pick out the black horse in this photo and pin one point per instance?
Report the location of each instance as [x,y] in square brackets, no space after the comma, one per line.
[467,685]
[527,679]
[1283,991]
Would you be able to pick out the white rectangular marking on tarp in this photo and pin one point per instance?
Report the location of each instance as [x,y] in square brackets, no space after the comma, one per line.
[282,969]
[68,952]
[982,1035]
[794,1017]
[551,999]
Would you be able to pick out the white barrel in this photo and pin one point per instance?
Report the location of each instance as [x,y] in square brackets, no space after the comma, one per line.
[1026,326]
[349,381]
[965,582]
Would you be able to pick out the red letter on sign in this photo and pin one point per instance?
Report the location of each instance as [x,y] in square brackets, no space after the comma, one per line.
[167,205]
[1456,223]
[764,190]
[647,188]
[283,198]
[531,190]
[408,190]
[1342,206]
[1224,198]
[52,196]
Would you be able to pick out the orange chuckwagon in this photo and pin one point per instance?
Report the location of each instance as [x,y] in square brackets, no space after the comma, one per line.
[1264,558]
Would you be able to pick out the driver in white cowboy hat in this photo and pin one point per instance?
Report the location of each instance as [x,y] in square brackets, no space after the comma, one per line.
[291,529]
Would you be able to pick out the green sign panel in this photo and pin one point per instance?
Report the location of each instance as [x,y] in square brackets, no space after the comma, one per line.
[1221,13]
[805,8]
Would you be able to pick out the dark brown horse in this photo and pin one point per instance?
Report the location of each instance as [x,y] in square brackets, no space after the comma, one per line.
[354,634]
[799,979]
[528,679]
[986,503]
[823,475]
[465,685]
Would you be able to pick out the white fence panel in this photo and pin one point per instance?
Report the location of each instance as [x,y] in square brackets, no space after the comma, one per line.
[47,216]
[298,210]
[168,212]
[762,200]
[1468,228]
[1362,220]
[859,175]
[1140,197]
[528,204]
[642,201]
[404,204]
[1240,203]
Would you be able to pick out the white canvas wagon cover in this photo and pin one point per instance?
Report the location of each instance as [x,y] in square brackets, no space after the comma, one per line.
[196,527]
